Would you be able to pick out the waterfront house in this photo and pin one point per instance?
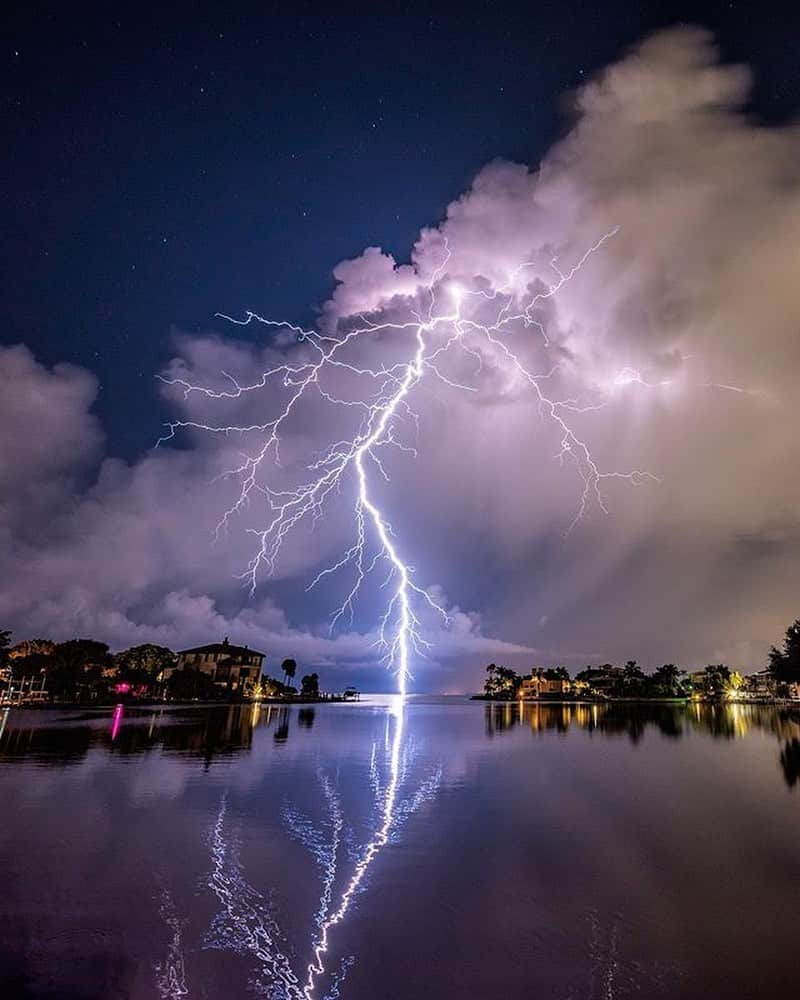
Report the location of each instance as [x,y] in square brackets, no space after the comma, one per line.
[760,685]
[600,680]
[234,668]
[537,685]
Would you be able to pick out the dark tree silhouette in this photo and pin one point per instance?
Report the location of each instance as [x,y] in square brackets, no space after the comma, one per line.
[5,642]
[715,679]
[33,663]
[289,668]
[309,686]
[632,683]
[501,682]
[77,668]
[785,663]
[190,683]
[144,663]
[669,682]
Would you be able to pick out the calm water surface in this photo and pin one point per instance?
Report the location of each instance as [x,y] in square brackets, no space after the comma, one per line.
[439,848]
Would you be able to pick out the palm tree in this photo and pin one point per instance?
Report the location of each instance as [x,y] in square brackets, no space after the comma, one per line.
[668,681]
[289,668]
[632,678]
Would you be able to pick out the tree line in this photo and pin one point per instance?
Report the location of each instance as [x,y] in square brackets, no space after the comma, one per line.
[87,670]
[715,681]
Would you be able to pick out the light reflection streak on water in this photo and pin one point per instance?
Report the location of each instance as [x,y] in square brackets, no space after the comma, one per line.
[116,721]
[602,983]
[247,924]
[171,973]
[615,972]
[370,851]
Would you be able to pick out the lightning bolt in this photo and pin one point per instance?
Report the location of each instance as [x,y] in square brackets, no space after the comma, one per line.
[445,323]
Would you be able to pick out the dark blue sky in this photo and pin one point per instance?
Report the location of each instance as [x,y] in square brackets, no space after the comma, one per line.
[163,165]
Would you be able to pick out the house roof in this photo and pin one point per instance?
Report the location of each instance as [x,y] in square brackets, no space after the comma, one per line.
[223,647]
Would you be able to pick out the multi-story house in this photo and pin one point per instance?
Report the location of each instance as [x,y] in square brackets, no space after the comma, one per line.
[235,668]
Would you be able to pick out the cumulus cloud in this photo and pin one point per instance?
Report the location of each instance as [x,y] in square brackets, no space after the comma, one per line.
[677,343]
[49,440]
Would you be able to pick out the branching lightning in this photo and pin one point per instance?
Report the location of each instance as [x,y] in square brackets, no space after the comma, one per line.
[449,322]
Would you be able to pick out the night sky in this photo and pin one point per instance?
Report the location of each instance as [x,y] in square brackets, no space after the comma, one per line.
[162,167]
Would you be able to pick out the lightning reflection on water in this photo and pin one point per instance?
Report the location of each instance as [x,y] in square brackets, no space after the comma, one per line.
[247,922]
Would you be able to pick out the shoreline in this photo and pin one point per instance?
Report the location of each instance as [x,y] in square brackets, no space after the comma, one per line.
[634,701]
[341,700]
[72,705]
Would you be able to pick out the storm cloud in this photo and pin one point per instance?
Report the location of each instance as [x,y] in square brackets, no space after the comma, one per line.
[678,340]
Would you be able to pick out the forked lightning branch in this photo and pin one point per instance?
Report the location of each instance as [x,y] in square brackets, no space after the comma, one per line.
[446,318]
